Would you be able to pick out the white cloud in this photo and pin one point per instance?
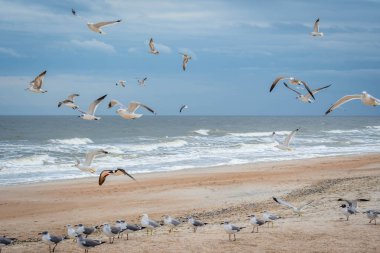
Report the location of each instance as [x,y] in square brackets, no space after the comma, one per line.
[163,48]
[9,51]
[93,44]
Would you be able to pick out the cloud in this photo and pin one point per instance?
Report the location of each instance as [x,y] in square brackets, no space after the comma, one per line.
[9,51]
[93,44]
[163,48]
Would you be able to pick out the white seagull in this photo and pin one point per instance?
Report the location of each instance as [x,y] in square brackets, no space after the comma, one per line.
[51,240]
[142,81]
[293,81]
[121,83]
[231,229]
[195,223]
[366,99]
[36,85]
[295,209]
[86,244]
[172,223]
[152,49]
[285,144]
[110,231]
[117,172]
[306,98]
[270,217]
[149,224]
[128,113]
[255,223]
[316,32]
[71,232]
[90,114]
[69,102]
[185,60]
[96,27]
[86,166]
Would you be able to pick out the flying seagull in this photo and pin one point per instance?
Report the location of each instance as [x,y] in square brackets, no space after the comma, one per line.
[231,229]
[351,207]
[306,98]
[51,240]
[372,215]
[90,114]
[36,85]
[295,209]
[270,217]
[183,107]
[73,12]
[366,99]
[86,166]
[172,223]
[293,81]
[86,244]
[149,224]
[96,27]
[195,223]
[315,31]
[129,113]
[117,172]
[255,223]
[142,81]
[152,49]
[285,144]
[69,102]
[121,83]
[185,60]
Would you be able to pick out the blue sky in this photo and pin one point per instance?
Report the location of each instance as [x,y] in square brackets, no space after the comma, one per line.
[238,49]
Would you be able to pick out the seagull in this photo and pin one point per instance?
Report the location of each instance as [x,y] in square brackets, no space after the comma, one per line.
[172,223]
[366,99]
[351,207]
[85,230]
[117,172]
[69,102]
[73,12]
[306,98]
[90,114]
[51,240]
[122,226]
[195,223]
[96,27]
[285,144]
[315,31]
[129,113]
[121,83]
[36,84]
[152,49]
[183,107]
[270,217]
[86,244]
[71,232]
[111,231]
[142,81]
[372,215]
[4,241]
[295,209]
[255,223]
[89,158]
[293,81]
[128,228]
[149,224]
[186,59]
[231,229]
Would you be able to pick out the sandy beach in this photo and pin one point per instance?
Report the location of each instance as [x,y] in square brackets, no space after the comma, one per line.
[212,195]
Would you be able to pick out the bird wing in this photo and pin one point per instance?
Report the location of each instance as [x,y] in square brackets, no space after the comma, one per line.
[148,108]
[299,93]
[341,101]
[120,171]
[114,102]
[305,205]
[185,61]
[233,227]
[91,155]
[275,82]
[316,25]
[100,24]
[289,137]
[153,223]
[94,105]
[307,88]
[103,175]
[317,90]
[72,97]
[182,107]
[283,202]
[55,239]
[198,223]
[37,82]
[151,44]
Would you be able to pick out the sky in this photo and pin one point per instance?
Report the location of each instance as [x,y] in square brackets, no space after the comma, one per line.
[238,48]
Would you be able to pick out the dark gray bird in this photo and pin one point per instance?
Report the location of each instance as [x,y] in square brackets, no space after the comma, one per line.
[51,240]
[256,223]
[117,172]
[4,241]
[73,12]
[86,244]
[195,223]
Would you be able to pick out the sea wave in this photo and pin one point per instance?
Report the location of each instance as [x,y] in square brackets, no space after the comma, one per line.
[154,146]
[340,131]
[258,134]
[72,141]
[202,131]
[30,160]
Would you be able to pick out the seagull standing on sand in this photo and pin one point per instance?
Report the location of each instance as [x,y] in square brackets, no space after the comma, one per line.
[69,102]
[96,27]
[86,244]
[172,223]
[231,229]
[366,99]
[36,85]
[4,241]
[86,166]
[372,215]
[295,209]
[183,107]
[306,98]
[117,172]
[270,217]
[51,240]
[351,207]
[149,224]
[129,113]
[90,114]
[110,231]
[285,144]
[185,60]
[293,81]
[316,32]
[152,49]
[121,83]
[129,228]
[256,223]
[85,230]
[71,232]
[195,223]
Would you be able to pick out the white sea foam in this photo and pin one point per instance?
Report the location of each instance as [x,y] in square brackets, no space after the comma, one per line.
[339,131]
[258,134]
[30,160]
[154,146]
[202,131]
[72,141]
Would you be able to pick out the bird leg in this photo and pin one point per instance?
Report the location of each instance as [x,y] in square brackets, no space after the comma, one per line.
[54,247]
[127,236]
[253,230]
[234,237]
[229,237]
[195,229]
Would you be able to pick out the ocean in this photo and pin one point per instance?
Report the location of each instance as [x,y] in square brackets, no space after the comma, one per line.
[44,148]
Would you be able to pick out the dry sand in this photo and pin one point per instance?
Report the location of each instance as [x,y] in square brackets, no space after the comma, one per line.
[212,195]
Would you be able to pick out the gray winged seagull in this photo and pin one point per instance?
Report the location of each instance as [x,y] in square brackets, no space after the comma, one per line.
[4,241]
[110,231]
[129,113]
[86,165]
[231,229]
[182,108]
[127,228]
[152,49]
[71,232]
[141,82]
[351,207]
[171,222]
[285,144]
[117,172]
[316,32]
[295,209]
[256,223]
[185,60]
[51,240]
[81,229]
[195,223]
[90,114]
[36,85]
[270,217]
[372,215]
[69,102]
[366,99]
[97,26]
[87,244]
[149,224]
[306,98]
[121,83]
[293,81]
